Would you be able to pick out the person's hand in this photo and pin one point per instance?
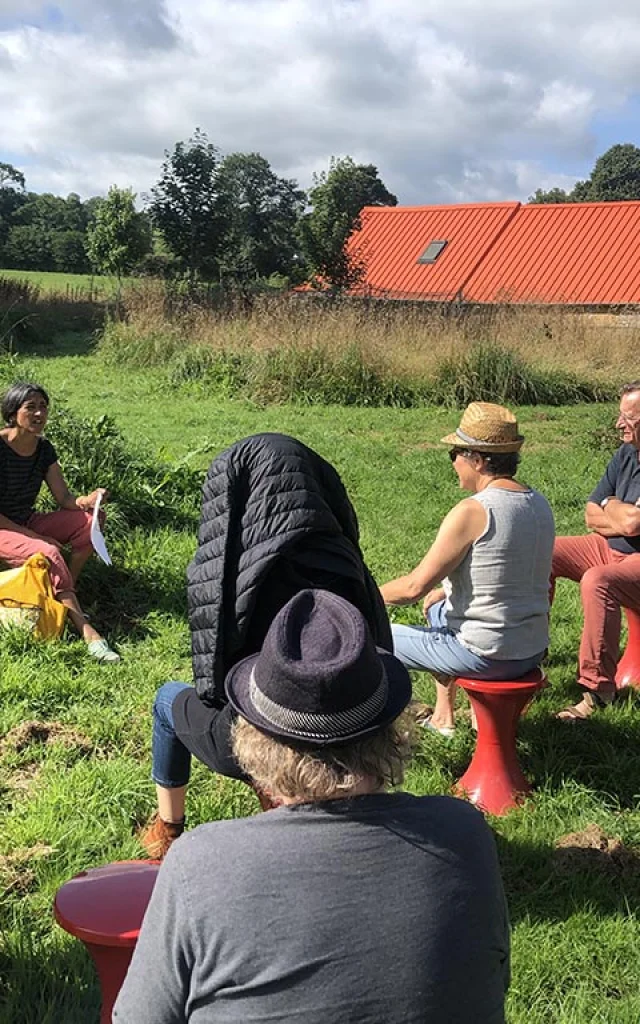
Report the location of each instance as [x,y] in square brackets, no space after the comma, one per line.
[87,501]
[432,597]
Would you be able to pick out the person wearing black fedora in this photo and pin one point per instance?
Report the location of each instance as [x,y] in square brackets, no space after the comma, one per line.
[345,902]
[485,578]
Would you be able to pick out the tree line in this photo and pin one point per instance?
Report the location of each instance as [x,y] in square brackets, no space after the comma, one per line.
[229,219]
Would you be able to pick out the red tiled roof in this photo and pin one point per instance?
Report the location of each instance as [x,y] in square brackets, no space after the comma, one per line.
[392,238]
[577,253]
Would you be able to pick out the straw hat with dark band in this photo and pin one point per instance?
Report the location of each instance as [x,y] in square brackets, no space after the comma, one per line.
[486,427]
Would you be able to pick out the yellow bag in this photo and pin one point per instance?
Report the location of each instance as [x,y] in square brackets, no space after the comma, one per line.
[27,599]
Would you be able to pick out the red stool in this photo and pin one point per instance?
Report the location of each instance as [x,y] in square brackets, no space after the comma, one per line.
[104,908]
[494,780]
[628,673]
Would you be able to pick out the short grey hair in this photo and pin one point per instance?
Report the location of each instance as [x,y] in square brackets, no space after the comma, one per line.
[629,388]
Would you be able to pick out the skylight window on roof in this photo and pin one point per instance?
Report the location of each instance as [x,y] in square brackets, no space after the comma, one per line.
[432,251]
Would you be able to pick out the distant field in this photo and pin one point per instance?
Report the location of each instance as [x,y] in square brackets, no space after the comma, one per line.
[64,283]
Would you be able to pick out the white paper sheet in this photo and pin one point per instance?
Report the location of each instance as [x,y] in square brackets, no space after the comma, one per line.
[97,537]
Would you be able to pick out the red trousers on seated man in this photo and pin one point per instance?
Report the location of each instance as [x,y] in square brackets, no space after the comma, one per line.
[608,581]
[606,562]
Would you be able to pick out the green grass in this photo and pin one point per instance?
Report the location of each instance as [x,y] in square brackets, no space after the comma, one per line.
[61,284]
[75,801]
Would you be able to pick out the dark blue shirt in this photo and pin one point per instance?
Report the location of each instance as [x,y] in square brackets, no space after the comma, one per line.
[621,480]
[21,478]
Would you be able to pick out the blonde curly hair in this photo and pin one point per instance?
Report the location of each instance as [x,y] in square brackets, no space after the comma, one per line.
[322,773]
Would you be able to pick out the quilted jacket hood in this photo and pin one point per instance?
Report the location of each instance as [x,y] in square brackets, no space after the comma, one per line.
[275,518]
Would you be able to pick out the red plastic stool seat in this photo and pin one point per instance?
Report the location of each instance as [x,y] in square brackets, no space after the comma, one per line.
[628,673]
[104,907]
[494,780]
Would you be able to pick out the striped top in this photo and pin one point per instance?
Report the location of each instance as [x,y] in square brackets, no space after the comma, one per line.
[21,478]
[498,597]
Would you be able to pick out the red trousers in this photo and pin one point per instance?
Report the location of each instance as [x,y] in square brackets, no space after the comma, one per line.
[608,582]
[68,526]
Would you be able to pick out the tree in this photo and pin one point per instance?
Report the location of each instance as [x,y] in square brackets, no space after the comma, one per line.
[91,207]
[69,249]
[11,198]
[45,211]
[36,225]
[54,228]
[75,215]
[11,177]
[615,177]
[186,206]
[554,195]
[261,212]
[337,198]
[616,174]
[580,192]
[119,236]
[28,248]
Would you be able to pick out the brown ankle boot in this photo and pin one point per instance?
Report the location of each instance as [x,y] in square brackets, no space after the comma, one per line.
[158,835]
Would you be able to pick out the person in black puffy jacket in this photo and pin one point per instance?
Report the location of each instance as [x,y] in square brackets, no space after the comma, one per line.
[276,519]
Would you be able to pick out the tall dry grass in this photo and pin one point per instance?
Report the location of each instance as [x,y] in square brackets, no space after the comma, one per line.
[405,353]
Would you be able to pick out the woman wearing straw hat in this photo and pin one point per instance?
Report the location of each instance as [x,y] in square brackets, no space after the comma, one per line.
[489,564]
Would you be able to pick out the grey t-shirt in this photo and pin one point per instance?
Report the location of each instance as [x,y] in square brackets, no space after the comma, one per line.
[384,909]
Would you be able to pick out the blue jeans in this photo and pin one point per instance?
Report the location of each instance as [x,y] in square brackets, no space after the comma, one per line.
[435,648]
[185,727]
[170,758]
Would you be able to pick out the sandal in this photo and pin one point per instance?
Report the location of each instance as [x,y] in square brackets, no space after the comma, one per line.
[448,731]
[422,715]
[574,713]
[584,709]
[100,650]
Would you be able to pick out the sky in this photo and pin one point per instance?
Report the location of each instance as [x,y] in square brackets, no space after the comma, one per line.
[452,100]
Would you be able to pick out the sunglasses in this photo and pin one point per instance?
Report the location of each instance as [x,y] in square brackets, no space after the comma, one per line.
[454,452]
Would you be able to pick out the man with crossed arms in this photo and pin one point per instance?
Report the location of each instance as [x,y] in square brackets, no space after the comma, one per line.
[606,562]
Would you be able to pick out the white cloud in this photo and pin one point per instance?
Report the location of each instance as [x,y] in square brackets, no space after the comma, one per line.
[452,99]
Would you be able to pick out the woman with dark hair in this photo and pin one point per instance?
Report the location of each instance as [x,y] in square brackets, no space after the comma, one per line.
[27,460]
[485,578]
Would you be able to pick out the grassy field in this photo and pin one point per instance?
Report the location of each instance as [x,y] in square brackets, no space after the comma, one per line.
[74,787]
[49,282]
[287,348]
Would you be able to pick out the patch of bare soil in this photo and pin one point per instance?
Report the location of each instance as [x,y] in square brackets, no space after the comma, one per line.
[22,780]
[593,849]
[17,874]
[31,732]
